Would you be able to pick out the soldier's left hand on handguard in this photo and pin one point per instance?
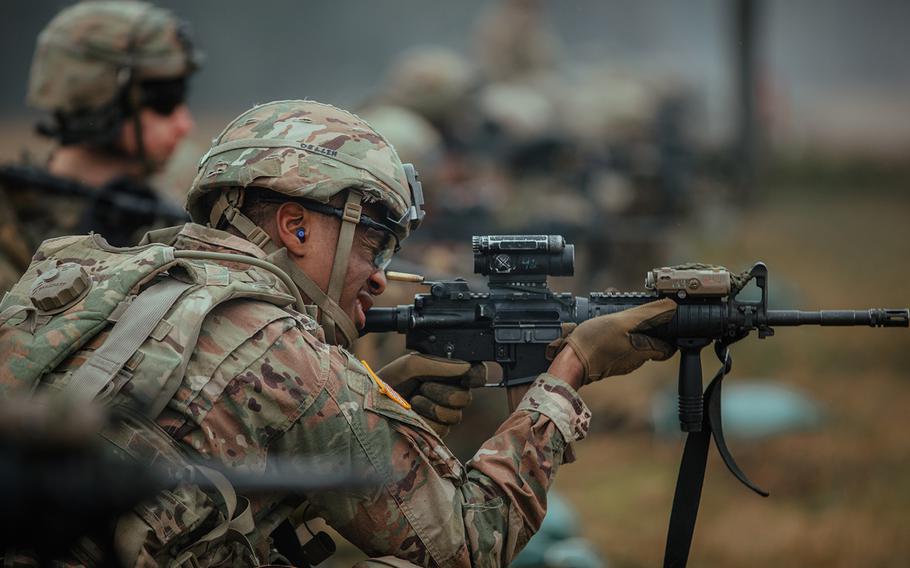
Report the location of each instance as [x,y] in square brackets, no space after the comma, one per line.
[613,344]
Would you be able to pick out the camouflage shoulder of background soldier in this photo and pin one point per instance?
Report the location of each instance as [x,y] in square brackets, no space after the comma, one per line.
[41,206]
[45,205]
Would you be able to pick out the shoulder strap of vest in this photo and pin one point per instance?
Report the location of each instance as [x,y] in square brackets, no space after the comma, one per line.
[257,262]
[127,335]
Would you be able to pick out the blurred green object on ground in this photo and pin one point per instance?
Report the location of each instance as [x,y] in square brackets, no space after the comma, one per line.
[752,410]
[558,542]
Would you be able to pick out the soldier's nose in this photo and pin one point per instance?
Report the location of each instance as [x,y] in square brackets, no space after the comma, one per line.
[184,120]
[377,282]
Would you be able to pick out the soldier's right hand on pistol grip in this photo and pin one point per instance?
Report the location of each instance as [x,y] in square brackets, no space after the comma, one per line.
[438,389]
[612,345]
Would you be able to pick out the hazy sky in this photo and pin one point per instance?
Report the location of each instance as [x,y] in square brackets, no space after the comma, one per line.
[829,65]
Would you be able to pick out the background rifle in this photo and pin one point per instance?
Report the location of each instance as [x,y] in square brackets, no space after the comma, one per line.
[115,209]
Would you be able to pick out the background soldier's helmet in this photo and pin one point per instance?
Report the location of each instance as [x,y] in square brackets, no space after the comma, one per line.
[414,138]
[309,150]
[91,54]
[429,80]
[517,113]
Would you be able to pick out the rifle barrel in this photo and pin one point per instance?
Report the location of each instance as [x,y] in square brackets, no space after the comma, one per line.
[876,317]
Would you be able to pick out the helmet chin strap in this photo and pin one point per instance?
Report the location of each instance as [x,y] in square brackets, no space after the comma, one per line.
[352,211]
[338,327]
[132,99]
[134,109]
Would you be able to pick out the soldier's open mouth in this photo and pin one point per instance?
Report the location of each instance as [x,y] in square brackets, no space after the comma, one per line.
[361,317]
[364,303]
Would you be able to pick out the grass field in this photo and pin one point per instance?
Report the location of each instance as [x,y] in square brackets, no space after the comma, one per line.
[840,495]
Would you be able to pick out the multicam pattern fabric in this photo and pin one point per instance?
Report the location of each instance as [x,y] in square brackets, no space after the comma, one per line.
[30,350]
[28,217]
[82,51]
[260,384]
[315,161]
[564,409]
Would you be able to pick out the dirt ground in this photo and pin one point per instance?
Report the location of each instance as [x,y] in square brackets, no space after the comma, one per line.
[840,495]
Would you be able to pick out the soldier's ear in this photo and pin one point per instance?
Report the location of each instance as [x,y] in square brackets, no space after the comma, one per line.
[293,221]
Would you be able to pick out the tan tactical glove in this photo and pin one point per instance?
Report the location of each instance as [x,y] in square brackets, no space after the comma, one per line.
[438,389]
[609,345]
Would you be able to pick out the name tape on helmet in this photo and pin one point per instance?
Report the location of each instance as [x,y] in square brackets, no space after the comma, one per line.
[250,143]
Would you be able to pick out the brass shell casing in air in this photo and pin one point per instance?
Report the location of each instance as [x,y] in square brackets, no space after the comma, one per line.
[404,277]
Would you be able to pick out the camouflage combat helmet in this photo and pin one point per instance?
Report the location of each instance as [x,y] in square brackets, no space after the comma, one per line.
[518,113]
[415,138]
[91,55]
[313,151]
[429,80]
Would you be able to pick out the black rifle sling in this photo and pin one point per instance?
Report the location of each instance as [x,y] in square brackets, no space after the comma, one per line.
[692,468]
[687,497]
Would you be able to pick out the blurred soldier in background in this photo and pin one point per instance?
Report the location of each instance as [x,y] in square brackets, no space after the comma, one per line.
[434,82]
[528,141]
[533,142]
[114,77]
[543,186]
[512,42]
[437,86]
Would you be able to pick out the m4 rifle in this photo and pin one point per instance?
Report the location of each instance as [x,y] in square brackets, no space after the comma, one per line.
[518,316]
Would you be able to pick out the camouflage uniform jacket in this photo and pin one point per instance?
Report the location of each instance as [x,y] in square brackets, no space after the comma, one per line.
[262,383]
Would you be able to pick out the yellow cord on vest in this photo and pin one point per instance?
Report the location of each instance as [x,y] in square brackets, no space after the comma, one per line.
[386,389]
